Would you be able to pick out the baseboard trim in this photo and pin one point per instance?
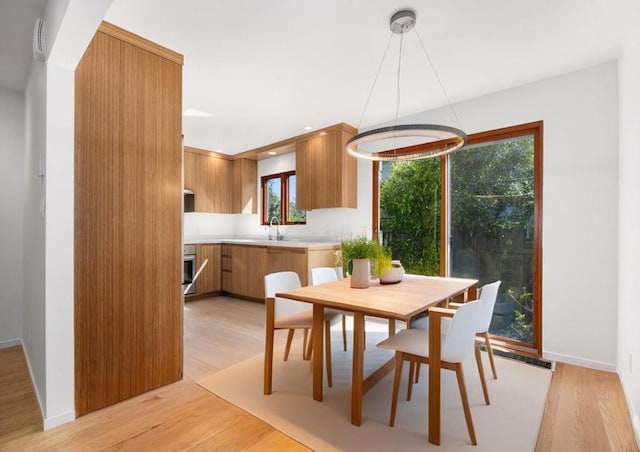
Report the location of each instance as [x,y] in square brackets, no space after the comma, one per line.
[635,417]
[590,364]
[59,420]
[10,343]
[33,381]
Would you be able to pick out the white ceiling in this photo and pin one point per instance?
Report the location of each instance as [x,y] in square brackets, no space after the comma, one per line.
[264,70]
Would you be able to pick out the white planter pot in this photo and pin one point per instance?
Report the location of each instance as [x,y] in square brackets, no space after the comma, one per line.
[393,275]
[360,273]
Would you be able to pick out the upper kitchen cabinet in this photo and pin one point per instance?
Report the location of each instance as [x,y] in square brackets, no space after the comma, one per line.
[209,176]
[326,175]
[128,219]
[245,188]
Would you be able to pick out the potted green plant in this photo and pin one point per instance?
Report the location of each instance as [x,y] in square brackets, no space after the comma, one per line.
[364,257]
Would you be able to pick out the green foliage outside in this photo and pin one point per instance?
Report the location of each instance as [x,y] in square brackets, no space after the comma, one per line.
[491,208]
[273,199]
[410,214]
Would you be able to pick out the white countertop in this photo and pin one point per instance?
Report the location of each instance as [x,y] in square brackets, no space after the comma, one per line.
[286,243]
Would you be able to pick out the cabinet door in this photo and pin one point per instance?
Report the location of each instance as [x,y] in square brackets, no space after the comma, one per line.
[210,277]
[220,180]
[289,259]
[248,267]
[245,186]
[325,175]
[190,180]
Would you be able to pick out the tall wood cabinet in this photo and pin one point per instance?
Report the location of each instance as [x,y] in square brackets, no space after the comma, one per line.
[326,176]
[128,193]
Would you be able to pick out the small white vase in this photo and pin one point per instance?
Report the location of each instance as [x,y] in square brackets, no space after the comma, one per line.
[360,273]
[393,275]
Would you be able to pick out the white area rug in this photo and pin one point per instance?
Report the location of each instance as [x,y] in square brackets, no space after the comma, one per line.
[510,423]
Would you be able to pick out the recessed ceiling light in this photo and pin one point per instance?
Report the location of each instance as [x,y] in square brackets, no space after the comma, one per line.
[308,128]
[272,152]
[196,113]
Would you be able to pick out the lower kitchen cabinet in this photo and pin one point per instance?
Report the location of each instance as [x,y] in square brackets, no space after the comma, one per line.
[244,266]
[209,280]
[289,259]
[243,270]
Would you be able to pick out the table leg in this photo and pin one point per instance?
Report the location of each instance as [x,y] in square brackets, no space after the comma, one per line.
[472,293]
[358,368]
[318,352]
[268,348]
[392,327]
[434,377]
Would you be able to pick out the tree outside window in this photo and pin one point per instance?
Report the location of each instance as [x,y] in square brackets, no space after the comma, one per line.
[278,196]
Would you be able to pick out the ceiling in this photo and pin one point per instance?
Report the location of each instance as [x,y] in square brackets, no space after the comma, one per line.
[265,70]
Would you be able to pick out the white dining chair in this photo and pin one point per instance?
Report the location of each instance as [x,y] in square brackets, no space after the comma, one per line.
[487,300]
[457,345]
[322,275]
[292,315]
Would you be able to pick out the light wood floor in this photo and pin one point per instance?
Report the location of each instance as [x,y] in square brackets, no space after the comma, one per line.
[585,409]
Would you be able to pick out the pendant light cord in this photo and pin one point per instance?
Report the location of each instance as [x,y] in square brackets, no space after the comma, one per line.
[433,68]
[375,80]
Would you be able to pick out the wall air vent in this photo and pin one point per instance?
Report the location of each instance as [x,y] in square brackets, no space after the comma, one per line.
[39,48]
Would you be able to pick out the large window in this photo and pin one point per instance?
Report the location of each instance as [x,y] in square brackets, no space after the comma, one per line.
[279,199]
[475,213]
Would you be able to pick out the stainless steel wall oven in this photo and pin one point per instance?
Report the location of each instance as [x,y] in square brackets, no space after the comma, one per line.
[188,268]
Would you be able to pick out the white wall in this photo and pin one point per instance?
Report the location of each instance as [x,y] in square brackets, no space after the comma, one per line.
[48,244]
[11,221]
[629,223]
[33,326]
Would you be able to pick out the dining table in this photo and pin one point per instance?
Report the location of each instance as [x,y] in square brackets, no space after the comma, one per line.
[403,301]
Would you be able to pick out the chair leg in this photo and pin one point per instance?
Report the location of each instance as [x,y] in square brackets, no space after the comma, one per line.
[307,354]
[490,352]
[327,345]
[412,369]
[465,404]
[344,332]
[304,343]
[364,335]
[483,380]
[417,372]
[288,347]
[396,387]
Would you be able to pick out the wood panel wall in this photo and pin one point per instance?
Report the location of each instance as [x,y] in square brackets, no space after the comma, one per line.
[128,191]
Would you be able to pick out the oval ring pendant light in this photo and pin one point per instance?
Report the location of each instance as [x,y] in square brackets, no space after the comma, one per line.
[446,139]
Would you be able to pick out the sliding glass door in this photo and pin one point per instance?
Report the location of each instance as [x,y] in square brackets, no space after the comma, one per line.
[475,213]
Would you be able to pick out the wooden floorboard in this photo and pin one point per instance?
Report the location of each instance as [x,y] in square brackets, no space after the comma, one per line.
[585,409]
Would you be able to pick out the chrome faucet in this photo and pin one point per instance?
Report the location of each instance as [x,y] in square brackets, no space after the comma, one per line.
[278,236]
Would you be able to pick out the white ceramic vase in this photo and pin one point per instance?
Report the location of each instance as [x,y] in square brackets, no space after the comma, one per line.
[393,275]
[360,273]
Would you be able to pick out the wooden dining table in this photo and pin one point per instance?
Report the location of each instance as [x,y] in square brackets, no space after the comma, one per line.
[403,301]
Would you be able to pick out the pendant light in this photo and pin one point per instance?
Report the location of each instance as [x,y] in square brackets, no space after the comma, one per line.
[441,139]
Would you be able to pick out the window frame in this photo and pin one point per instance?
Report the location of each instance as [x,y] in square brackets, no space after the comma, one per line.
[284,198]
[532,128]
